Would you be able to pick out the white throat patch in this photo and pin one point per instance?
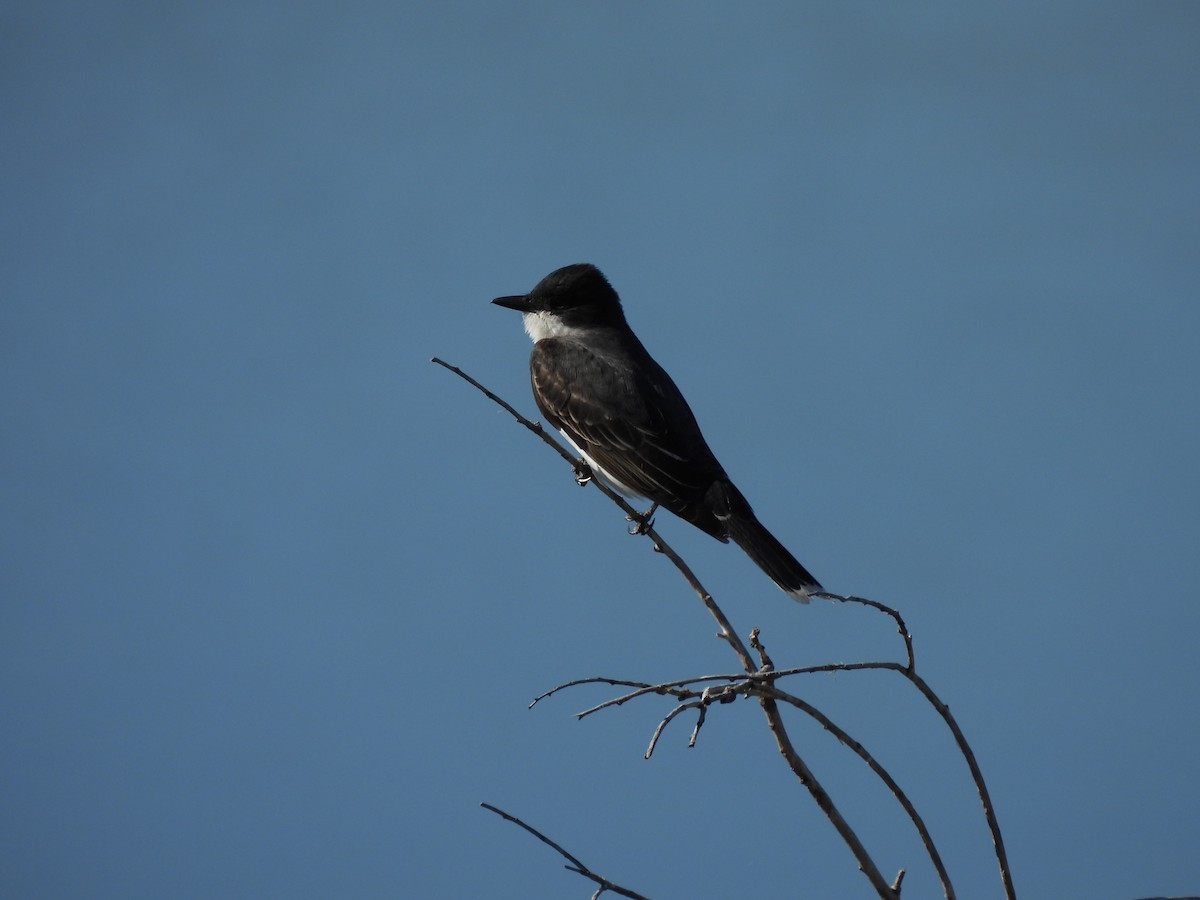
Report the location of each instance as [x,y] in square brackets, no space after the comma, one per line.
[542,325]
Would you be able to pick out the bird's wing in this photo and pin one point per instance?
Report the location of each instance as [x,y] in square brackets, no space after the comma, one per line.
[653,448]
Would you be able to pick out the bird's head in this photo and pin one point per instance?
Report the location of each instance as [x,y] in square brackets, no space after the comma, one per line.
[571,298]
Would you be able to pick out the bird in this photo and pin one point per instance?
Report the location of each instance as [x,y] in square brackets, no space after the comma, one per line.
[599,387]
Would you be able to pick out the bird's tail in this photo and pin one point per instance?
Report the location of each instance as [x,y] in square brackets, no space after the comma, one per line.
[760,545]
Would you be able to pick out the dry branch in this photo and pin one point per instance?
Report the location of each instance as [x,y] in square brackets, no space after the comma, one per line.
[759,682]
[575,864]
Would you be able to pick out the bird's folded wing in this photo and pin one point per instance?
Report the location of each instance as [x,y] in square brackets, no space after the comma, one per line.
[615,418]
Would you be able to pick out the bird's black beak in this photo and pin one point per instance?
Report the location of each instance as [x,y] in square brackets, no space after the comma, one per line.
[520,304]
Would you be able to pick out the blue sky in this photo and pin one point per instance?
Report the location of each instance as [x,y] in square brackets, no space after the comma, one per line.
[275,591]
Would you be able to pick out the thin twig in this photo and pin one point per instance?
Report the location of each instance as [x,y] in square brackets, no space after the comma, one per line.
[700,719]
[671,688]
[691,704]
[575,864]
[596,679]
[535,427]
[768,664]
[883,608]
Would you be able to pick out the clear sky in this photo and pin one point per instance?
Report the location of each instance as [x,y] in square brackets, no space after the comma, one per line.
[275,591]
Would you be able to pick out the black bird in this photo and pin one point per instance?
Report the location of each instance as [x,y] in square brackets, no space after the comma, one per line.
[595,382]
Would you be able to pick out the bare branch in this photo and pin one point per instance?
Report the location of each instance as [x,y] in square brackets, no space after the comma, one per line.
[960,740]
[883,775]
[769,689]
[730,636]
[535,427]
[726,633]
[823,800]
[671,688]
[985,797]
[575,865]
[761,684]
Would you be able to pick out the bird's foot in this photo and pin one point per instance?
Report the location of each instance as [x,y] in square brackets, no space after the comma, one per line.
[642,522]
[583,472]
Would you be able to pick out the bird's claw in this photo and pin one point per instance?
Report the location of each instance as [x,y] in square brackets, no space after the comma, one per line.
[583,472]
[642,522]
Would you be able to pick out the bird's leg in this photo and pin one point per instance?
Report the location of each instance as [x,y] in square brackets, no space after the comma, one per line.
[583,472]
[642,522]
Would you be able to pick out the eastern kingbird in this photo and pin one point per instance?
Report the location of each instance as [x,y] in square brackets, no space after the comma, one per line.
[595,382]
